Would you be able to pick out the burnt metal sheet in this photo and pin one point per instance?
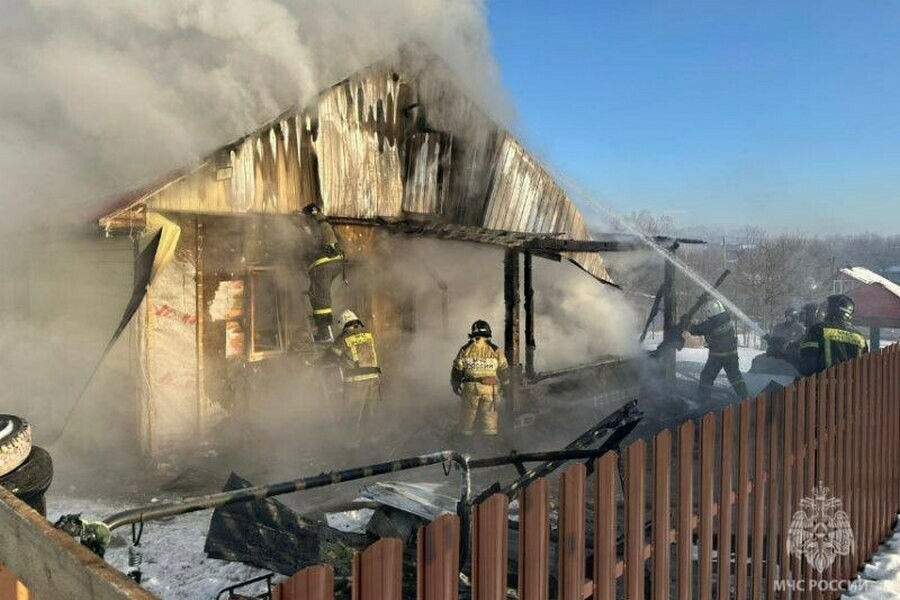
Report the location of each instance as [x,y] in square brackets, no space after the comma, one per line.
[427,175]
[421,499]
[360,171]
[525,198]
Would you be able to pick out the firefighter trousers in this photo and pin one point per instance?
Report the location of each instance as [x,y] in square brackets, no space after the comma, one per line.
[714,364]
[361,399]
[320,279]
[479,403]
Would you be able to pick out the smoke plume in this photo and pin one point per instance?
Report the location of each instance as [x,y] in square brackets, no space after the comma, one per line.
[99,96]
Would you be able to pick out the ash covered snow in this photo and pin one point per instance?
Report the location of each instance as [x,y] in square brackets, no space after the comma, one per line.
[175,566]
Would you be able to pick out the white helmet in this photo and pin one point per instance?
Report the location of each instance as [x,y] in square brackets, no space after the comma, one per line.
[710,308]
[348,317]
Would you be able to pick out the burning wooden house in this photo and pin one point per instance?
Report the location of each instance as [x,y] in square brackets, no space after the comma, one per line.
[389,157]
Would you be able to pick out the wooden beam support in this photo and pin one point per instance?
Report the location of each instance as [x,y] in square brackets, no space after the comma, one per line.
[530,344]
[512,301]
[670,319]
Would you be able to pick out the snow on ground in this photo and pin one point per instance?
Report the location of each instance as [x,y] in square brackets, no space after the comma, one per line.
[698,355]
[175,566]
[880,577]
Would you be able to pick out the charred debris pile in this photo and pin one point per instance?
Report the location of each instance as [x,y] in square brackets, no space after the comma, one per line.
[269,535]
[250,526]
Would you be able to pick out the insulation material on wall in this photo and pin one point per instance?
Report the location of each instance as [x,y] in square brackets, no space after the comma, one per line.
[171,403]
[228,300]
[360,170]
[228,305]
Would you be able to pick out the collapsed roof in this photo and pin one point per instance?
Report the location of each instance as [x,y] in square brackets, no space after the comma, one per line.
[380,147]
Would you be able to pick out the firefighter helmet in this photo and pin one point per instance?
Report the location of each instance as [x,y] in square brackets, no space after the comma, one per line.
[710,308]
[791,314]
[348,318]
[840,308]
[311,209]
[481,329]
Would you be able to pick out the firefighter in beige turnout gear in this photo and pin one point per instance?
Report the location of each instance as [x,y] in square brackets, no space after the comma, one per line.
[479,370]
[355,350]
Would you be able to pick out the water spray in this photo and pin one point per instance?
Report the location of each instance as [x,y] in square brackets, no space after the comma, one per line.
[584,196]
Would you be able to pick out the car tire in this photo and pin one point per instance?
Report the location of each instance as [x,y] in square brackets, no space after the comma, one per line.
[30,481]
[15,443]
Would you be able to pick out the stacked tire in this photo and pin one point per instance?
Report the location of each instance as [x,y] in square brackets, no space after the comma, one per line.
[26,471]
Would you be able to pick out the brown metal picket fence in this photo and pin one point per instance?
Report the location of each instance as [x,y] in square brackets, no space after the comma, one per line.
[719,497]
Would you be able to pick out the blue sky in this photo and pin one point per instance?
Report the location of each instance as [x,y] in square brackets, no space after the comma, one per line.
[777,113]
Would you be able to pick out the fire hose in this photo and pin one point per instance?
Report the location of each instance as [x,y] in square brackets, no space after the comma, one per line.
[96,535]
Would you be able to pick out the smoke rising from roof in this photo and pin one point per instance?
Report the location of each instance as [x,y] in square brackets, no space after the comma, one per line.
[97,97]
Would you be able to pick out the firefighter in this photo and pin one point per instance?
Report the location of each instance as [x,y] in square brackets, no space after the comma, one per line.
[717,328]
[479,370]
[834,340]
[325,264]
[784,340]
[810,314]
[355,351]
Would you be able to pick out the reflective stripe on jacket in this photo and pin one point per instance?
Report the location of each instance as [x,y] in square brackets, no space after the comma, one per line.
[356,349]
[827,344]
[480,362]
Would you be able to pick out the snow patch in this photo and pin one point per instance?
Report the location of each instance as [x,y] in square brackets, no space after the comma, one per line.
[880,577]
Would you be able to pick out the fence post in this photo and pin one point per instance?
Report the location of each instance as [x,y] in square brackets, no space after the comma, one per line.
[10,587]
[788,462]
[662,504]
[686,445]
[635,466]
[894,400]
[825,444]
[884,464]
[872,449]
[774,541]
[489,548]
[437,566]
[571,533]
[312,583]
[726,475]
[605,523]
[760,484]
[859,495]
[742,521]
[811,450]
[840,452]
[378,571]
[707,477]
[534,541]
[850,460]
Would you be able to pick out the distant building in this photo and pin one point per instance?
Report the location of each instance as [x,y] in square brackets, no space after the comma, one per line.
[877,298]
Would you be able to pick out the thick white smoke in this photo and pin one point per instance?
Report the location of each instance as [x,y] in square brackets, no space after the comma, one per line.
[99,96]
